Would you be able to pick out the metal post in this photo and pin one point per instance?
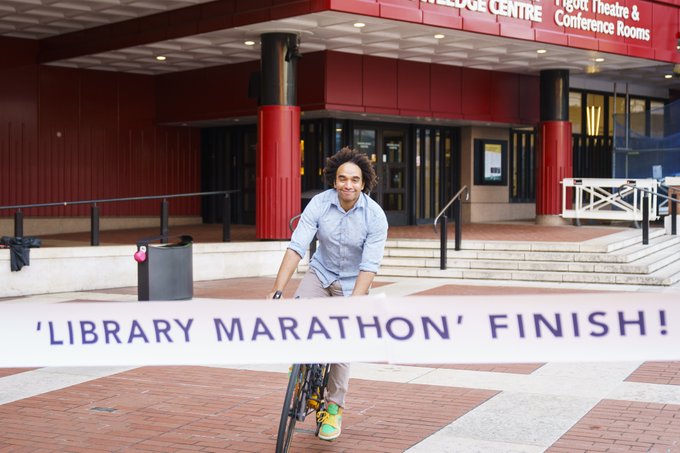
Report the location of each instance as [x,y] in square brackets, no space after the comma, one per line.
[674,215]
[165,208]
[459,227]
[19,224]
[94,225]
[645,218]
[442,251]
[226,219]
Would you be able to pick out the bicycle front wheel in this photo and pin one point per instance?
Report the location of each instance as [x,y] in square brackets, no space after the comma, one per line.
[291,405]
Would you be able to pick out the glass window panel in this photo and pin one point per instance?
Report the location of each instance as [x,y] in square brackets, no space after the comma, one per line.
[620,110]
[656,118]
[393,202]
[338,135]
[437,175]
[427,174]
[364,141]
[397,178]
[595,114]
[419,152]
[575,111]
[638,121]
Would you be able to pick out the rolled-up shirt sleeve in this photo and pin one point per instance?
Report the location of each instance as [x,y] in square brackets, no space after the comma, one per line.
[306,228]
[374,247]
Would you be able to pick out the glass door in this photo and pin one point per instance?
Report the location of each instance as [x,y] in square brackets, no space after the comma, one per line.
[386,147]
[436,170]
[392,177]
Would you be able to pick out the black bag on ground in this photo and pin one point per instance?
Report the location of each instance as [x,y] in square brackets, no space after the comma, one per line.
[20,250]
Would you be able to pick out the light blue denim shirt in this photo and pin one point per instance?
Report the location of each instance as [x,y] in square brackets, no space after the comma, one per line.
[349,242]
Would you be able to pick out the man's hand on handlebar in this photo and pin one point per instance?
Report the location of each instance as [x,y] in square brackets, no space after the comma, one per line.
[275,294]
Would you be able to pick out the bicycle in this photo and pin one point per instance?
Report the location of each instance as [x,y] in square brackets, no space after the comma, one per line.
[305,394]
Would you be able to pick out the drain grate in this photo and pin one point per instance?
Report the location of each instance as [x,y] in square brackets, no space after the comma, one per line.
[103,409]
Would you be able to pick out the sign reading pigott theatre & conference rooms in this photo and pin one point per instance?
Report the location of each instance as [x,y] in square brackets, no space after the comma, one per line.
[613,18]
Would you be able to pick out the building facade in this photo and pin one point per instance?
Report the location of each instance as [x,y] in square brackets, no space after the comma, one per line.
[506,97]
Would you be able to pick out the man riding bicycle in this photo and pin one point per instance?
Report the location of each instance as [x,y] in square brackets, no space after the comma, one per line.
[351,229]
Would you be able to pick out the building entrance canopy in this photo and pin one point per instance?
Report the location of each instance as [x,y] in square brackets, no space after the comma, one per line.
[634,41]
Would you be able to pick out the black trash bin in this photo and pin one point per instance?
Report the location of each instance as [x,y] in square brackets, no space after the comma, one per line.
[165,271]
[20,250]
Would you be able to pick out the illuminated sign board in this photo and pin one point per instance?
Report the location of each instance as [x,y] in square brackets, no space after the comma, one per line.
[599,16]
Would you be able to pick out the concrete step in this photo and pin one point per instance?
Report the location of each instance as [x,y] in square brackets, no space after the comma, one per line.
[398,256]
[617,259]
[666,276]
[645,265]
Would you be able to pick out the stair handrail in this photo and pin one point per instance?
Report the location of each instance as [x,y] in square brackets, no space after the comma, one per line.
[456,218]
[455,197]
[645,209]
[94,212]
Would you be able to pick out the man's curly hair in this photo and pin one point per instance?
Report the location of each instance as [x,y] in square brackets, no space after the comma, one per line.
[348,154]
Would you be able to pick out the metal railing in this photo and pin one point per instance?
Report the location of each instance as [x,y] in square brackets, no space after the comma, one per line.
[603,199]
[653,194]
[458,228]
[94,212]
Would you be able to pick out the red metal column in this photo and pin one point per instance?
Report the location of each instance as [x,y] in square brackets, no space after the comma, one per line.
[554,160]
[554,163]
[277,186]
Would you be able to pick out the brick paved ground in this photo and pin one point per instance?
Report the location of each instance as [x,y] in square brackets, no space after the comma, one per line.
[624,426]
[210,409]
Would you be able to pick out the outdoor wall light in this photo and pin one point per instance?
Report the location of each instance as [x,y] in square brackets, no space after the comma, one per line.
[160,57]
[438,36]
[359,24]
[541,51]
[249,43]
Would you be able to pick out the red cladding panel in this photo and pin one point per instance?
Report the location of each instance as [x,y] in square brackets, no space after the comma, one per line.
[529,99]
[519,31]
[445,89]
[291,9]
[554,163]
[476,94]
[344,75]
[17,52]
[206,93]
[18,134]
[582,42]
[505,92]
[442,20]
[277,185]
[380,82]
[471,22]
[665,27]
[93,137]
[653,20]
[413,85]
[311,75]
[408,14]
[362,7]
[551,37]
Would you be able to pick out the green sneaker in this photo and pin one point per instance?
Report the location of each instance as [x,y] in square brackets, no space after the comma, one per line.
[331,422]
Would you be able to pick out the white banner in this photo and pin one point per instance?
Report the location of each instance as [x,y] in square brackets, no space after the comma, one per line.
[413,330]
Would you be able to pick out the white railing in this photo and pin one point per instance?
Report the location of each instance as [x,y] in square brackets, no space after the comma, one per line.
[606,199]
